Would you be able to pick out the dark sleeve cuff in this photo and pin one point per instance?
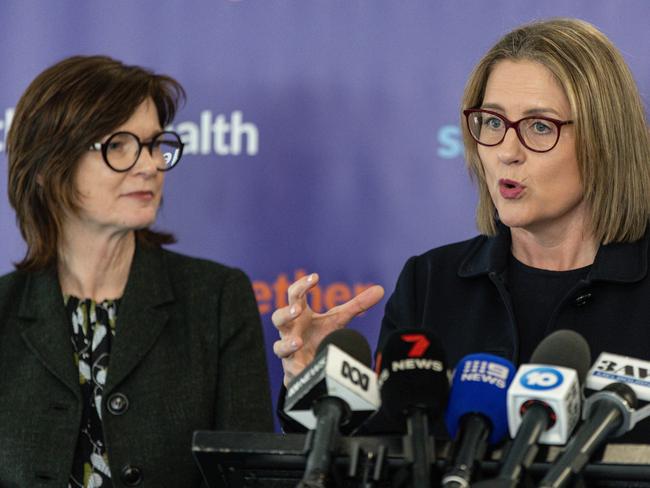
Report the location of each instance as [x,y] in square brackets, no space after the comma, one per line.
[288,425]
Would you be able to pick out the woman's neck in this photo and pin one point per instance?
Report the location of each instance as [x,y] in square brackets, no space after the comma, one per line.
[557,250]
[95,266]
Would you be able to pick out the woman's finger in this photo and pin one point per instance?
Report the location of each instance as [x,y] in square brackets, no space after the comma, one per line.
[283,348]
[359,304]
[283,316]
[298,289]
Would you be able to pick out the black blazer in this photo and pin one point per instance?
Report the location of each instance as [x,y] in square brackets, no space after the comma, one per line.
[188,354]
[460,292]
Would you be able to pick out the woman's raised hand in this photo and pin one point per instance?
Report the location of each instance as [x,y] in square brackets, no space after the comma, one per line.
[302,330]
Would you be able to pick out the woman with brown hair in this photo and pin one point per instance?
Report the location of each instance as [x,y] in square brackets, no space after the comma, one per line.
[112,349]
[556,138]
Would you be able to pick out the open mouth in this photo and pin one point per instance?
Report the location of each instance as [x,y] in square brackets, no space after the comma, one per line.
[510,189]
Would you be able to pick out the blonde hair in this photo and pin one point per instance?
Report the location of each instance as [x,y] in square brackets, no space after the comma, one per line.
[612,138]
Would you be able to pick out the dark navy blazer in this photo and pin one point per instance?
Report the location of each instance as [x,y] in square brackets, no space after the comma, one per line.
[459,291]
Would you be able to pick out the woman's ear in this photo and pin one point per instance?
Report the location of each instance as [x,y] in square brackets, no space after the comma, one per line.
[39,180]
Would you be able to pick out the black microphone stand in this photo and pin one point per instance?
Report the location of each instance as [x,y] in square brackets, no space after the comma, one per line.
[524,449]
[475,430]
[420,447]
[329,413]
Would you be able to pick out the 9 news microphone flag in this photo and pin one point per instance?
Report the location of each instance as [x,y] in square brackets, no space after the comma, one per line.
[413,386]
[476,413]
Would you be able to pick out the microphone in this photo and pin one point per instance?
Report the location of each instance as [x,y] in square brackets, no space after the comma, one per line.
[340,368]
[543,402]
[413,385]
[337,388]
[476,413]
[610,412]
[610,368]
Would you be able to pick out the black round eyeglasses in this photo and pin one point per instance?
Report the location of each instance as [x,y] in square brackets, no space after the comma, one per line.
[122,150]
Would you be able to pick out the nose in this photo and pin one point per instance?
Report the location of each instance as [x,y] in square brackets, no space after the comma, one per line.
[146,164]
[511,150]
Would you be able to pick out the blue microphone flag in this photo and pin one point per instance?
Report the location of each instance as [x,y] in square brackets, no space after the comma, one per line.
[479,386]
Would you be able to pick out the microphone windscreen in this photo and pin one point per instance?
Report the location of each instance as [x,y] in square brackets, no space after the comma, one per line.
[349,341]
[412,373]
[564,348]
[480,386]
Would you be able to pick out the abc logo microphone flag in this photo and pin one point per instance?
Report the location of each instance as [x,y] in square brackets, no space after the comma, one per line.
[555,386]
[336,373]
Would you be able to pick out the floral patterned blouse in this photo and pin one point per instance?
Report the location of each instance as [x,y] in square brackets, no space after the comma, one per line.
[93,328]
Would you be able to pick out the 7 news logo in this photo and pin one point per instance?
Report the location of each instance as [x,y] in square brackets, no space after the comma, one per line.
[420,344]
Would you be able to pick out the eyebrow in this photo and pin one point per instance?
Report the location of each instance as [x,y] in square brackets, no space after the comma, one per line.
[150,134]
[530,111]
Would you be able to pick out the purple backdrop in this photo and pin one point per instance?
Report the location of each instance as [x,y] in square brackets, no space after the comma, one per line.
[324,134]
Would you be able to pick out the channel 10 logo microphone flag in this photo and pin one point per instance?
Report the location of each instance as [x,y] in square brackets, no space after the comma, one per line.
[555,386]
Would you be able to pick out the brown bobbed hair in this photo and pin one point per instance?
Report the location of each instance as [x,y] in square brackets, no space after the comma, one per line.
[64,110]
[612,138]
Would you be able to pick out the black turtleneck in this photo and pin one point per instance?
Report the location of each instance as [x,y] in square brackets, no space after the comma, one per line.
[536,293]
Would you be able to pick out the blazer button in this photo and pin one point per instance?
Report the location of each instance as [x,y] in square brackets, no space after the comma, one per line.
[118,403]
[131,475]
[583,299]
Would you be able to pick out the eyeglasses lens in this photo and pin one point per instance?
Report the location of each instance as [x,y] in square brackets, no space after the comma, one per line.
[489,129]
[122,150]
[539,134]
[166,150]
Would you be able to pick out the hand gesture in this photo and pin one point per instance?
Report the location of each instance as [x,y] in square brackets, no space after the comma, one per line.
[302,330]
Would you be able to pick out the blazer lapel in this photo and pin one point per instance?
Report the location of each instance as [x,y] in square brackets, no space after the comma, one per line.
[47,330]
[141,316]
